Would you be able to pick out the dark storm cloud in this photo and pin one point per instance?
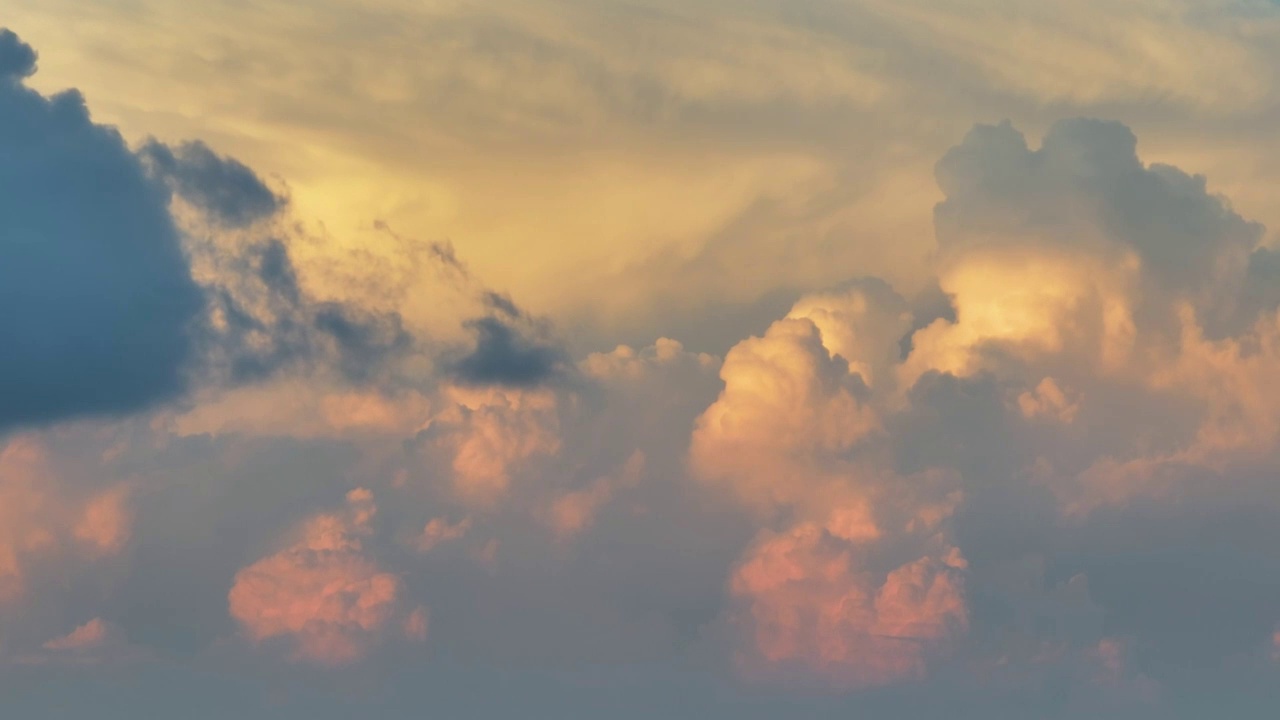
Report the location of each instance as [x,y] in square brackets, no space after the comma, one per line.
[96,296]
[99,312]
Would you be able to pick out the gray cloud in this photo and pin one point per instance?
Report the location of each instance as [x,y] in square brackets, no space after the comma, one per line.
[1085,188]
[506,354]
[17,59]
[268,324]
[96,297]
[223,187]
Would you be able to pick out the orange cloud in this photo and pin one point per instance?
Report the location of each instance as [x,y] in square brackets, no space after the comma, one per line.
[812,605]
[1048,400]
[322,593]
[303,408]
[42,517]
[1032,301]
[96,641]
[490,433]
[574,512]
[417,624]
[439,531]
[797,433]
[105,521]
[92,634]
[788,409]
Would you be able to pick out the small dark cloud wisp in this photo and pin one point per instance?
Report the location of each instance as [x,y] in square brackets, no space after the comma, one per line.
[228,191]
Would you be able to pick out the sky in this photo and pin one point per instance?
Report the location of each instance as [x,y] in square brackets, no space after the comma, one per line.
[900,359]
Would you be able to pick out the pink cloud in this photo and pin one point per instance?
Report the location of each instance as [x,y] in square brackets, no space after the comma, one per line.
[92,634]
[812,606]
[439,531]
[572,513]
[94,642]
[43,518]
[417,624]
[104,523]
[490,434]
[322,593]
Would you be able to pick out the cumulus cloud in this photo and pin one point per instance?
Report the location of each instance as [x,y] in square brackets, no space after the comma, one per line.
[815,612]
[794,434]
[322,593]
[1103,345]
[800,423]
[1114,309]
[487,435]
[1078,261]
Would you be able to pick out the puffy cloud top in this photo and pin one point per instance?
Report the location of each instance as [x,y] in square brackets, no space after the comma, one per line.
[17,59]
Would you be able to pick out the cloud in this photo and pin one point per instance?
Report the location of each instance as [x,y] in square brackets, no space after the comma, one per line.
[1086,189]
[322,593]
[813,608]
[95,643]
[439,531]
[1099,364]
[797,434]
[304,408]
[1111,333]
[1044,481]
[792,406]
[1047,399]
[17,59]
[511,348]
[1077,259]
[574,512]
[47,520]
[488,435]
[224,188]
[504,356]
[92,634]
[98,302]
[265,323]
